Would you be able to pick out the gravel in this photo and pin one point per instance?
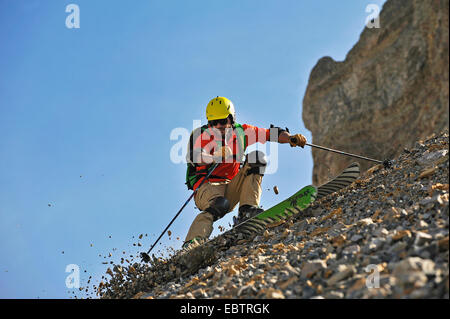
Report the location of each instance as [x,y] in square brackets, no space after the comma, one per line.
[384,236]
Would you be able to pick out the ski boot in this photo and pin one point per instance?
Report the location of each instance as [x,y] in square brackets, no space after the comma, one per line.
[192,243]
[246,212]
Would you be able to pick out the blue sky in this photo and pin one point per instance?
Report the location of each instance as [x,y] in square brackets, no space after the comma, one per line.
[86,116]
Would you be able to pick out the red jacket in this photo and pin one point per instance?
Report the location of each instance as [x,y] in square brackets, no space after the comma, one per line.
[209,142]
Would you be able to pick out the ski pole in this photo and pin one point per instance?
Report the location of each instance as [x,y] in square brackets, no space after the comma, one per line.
[145,257]
[386,163]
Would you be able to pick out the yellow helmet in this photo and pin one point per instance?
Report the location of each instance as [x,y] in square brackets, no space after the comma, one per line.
[220,108]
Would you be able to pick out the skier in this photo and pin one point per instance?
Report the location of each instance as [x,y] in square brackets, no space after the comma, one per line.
[223,141]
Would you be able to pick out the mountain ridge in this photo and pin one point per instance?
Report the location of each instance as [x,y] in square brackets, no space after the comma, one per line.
[391,89]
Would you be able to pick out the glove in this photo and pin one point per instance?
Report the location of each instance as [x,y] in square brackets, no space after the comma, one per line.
[222,154]
[297,140]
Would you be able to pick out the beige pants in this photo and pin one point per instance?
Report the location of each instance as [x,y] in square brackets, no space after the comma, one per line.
[244,189]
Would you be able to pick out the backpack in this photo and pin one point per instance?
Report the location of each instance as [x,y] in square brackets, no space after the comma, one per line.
[192,175]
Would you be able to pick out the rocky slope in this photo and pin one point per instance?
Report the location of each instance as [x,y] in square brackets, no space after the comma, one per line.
[384,236]
[391,90]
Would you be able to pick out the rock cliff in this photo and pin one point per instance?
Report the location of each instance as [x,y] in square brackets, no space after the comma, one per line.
[391,90]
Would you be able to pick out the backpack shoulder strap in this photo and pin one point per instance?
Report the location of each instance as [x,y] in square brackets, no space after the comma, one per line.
[242,141]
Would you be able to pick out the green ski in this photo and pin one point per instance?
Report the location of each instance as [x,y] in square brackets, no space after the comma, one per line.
[290,206]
